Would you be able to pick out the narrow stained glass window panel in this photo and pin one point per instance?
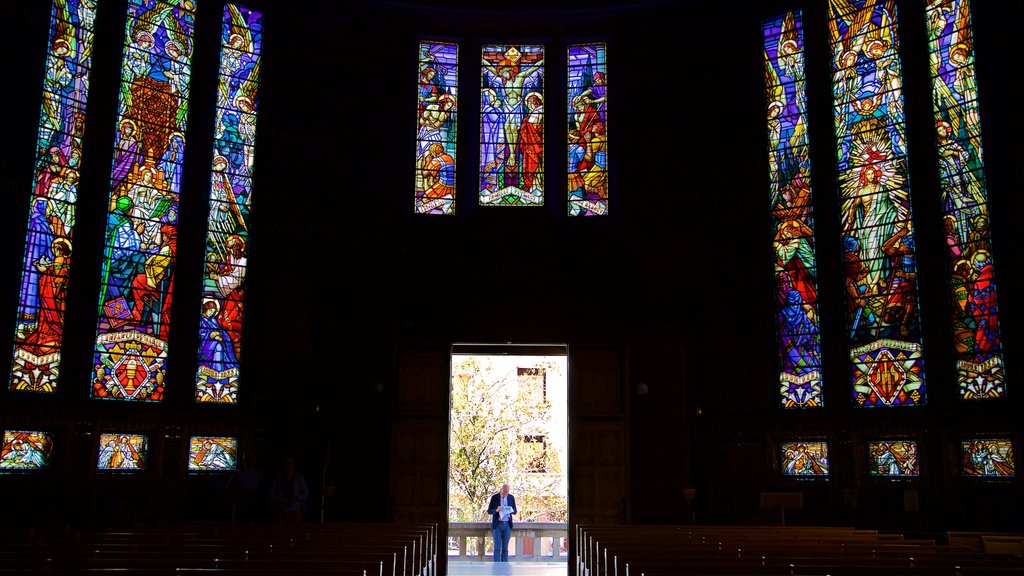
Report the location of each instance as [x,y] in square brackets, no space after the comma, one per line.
[883,322]
[512,125]
[804,458]
[988,457]
[231,178]
[25,450]
[212,453]
[123,452]
[979,355]
[587,100]
[130,353]
[893,458]
[436,109]
[789,164]
[39,332]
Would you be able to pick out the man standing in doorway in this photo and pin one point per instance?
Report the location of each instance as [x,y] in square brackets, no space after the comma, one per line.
[501,509]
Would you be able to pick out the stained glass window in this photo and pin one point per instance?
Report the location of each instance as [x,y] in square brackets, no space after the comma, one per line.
[883,322]
[227,234]
[587,100]
[804,458]
[39,333]
[124,452]
[789,164]
[987,457]
[25,450]
[893,458]
[512,125]
[976,335]
[436,110]
[145,182]
[212,453]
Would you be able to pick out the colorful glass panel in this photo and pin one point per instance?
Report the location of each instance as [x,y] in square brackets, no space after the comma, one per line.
[587,100]
[804,458]
[39,332]
[512,125]
[789,164]
[227,232]
[212,453]
[436,122]
[988,457]
[136,288]
[883,322]
[123,452]
[25,450]
[893,458]
[976,334]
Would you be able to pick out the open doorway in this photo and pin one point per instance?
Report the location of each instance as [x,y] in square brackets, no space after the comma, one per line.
[508,423]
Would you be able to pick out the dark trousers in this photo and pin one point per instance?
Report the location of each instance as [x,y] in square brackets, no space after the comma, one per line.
[502,534]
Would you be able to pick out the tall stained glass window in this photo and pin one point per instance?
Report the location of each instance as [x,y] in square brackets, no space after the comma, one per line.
[512,125]
[587,100]
[883,321]
[40,325]
[227,235]
[789,164]
[979,356]
[436,108]
[145,182]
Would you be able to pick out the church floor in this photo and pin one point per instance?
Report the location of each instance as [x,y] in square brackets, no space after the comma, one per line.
[464,568]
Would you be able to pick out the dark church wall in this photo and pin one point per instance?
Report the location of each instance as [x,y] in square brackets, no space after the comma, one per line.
[670,296]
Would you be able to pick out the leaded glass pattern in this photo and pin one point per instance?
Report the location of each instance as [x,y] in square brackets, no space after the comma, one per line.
[893,458]
[804,458]
[976,334]
[988,457]
[212,453]
[123,452]
[25,450]
[437,101]
[130,352]
[39,333]
[879,259]
[789,165]
[512,125]
[587,101]
[227,227]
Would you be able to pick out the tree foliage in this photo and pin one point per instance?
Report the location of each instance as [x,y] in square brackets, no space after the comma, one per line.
[493,410]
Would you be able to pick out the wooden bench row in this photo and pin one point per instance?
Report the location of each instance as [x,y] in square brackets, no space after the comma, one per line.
[655,550]
[363,549]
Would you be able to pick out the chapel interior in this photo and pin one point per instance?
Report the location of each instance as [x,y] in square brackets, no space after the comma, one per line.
[666,304]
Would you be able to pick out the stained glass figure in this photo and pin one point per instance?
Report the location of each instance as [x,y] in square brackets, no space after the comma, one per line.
[227,227]
[976,334]
[25,450]
[893,458]
[587,100]
[123,452]
[512,125]
[436,121]
[212,453]
[789,164]
[987,457]
[39,333]
[804,458]
[136,286]
[878,244]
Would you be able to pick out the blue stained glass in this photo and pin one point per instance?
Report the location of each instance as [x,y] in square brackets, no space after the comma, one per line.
[437,101]
[587,100]
[879,250]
